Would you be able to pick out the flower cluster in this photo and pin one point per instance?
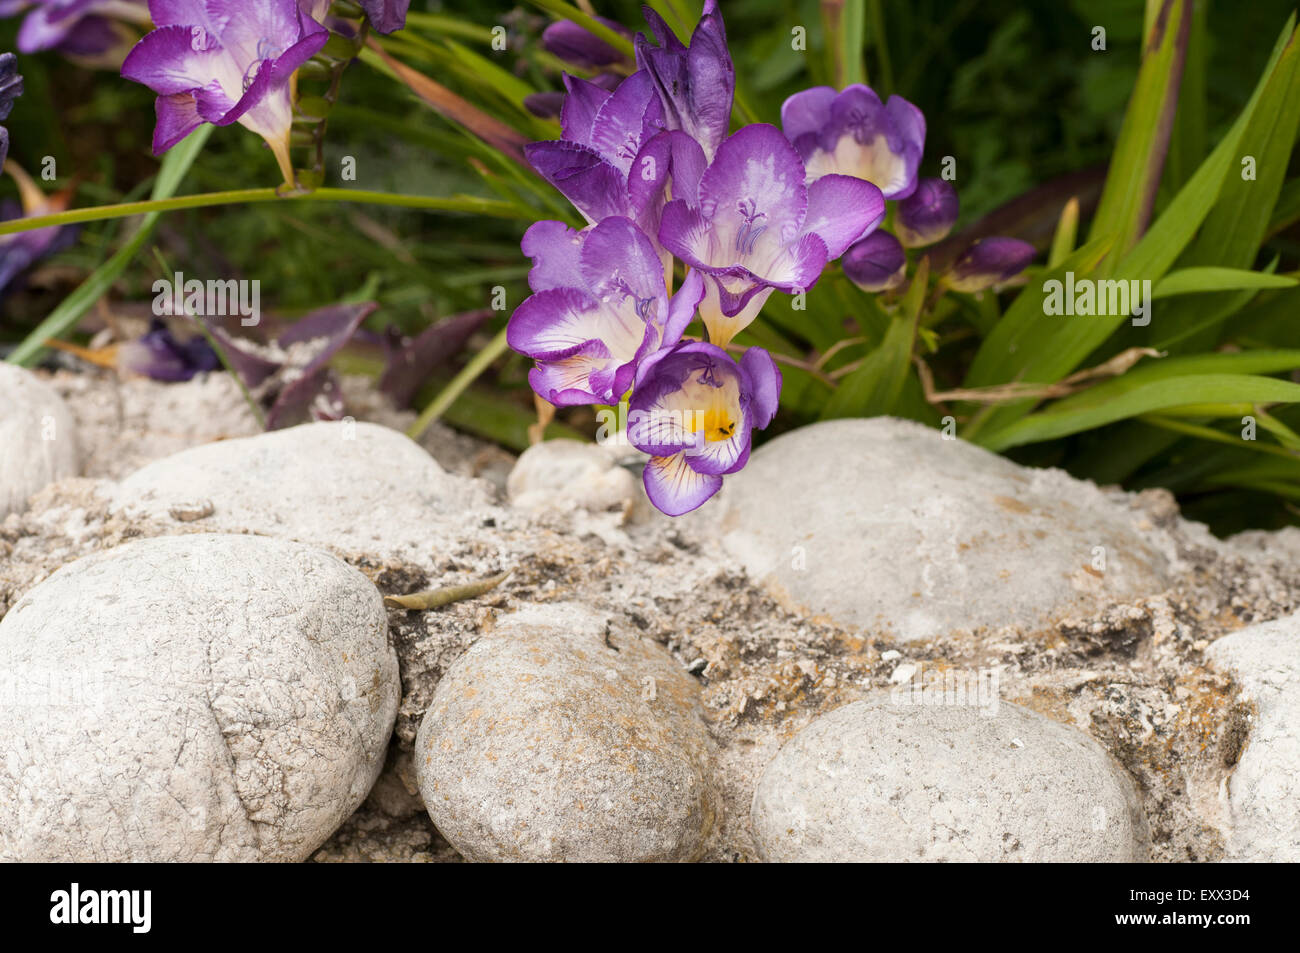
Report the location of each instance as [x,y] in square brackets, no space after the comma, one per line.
[650,165]
[854,133]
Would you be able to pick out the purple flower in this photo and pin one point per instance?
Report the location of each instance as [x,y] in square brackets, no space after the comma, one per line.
[575,45]
[853,133]
[11,87]
[615,159]
[225,61]
[695,411]
[161,356]
[22,249]
[602,134]
[600,308]
[989,262]
[80,27]
[386,16]
[928,214]
[754,226]
[696,84]
[877,263]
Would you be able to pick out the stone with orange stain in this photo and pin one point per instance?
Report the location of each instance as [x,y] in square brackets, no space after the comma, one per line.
[848,520]
[885,780]
[540,744]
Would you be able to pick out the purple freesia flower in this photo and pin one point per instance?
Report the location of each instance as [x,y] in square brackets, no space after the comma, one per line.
[989,262]
[697,83]
[695,411]
[854,133]
[928,214]
[600,307]
[80,27]
[11,87]
[225,61]
[602,133]
[877,263]
[754,226]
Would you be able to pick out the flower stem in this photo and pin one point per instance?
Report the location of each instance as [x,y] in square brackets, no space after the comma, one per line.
[461,203]
[447,396]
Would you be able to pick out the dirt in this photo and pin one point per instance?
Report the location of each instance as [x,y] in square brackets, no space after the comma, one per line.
[1133,676]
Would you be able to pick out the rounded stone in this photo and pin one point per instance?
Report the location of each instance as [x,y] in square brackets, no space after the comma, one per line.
[1263,793]
[882,780]
[559,473]
[355,488]
[883,523]
[191,698]
[38,437]
[542,743]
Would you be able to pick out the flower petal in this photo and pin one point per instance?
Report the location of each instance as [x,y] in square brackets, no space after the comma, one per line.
[595,187]
[166,61]
[583,377]
[583,101]
[674,488]
[618,260]
[554,324]
[764,385]
[555,249]
[841,210]
[807,111]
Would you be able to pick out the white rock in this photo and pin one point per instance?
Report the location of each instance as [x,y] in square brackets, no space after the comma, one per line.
[1263,792]
[544,744]
[878,780]
[569,473]
[882,523]
[38,438]
[351,487]
[191,698]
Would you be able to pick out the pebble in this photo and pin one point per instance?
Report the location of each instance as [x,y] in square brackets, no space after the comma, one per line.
[1263,792]
[355,488]
[191,698]
[884,524]
[882,780]
[545,743]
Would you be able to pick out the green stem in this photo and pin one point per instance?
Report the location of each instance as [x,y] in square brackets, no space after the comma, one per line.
[462,203]
[447,396]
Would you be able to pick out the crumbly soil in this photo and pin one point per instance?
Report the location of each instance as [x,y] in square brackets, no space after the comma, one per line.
[1134,676]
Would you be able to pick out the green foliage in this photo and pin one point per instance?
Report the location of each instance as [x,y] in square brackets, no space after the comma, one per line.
[1015,93]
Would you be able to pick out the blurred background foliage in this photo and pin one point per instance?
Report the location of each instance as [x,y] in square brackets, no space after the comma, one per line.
[1012,89]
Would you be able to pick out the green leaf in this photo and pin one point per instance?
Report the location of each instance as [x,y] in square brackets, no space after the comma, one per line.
[1210,278]
[1196,390]
[171,173]
[1239,221]
[876,386]
[1169,235]
[1135,166]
